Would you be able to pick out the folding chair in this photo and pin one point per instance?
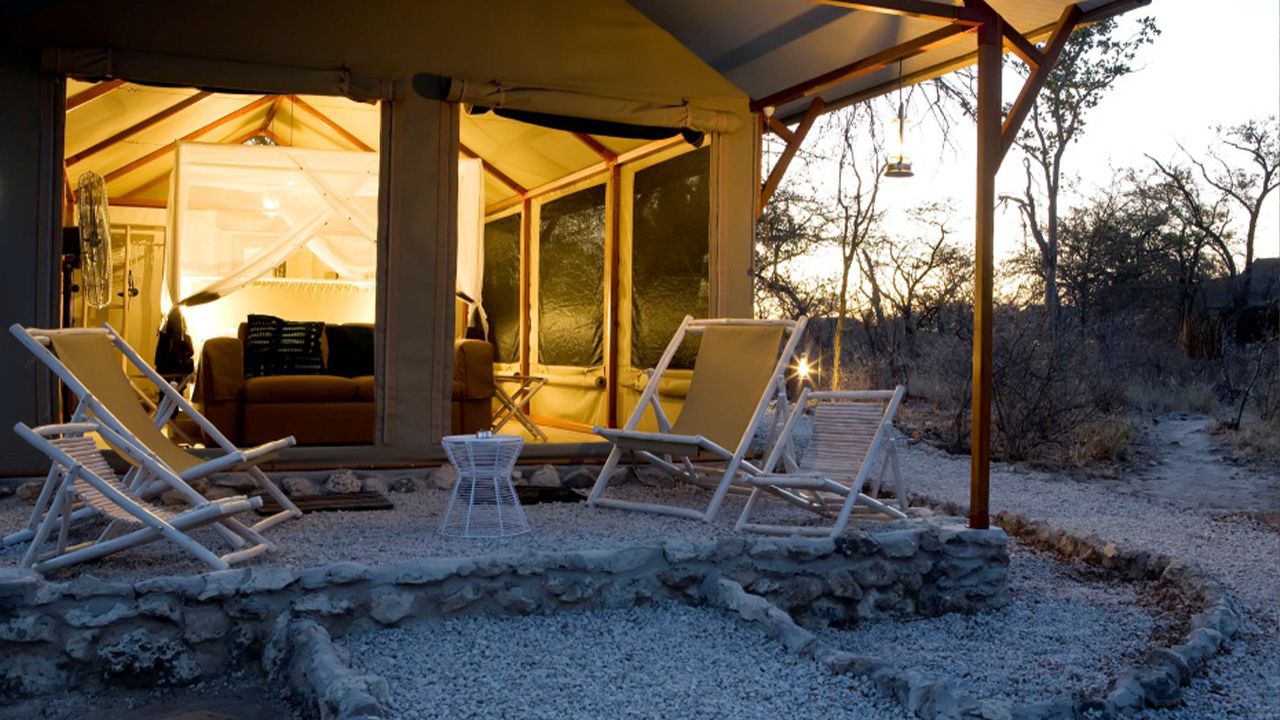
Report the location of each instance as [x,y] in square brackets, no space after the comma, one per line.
[848,441]
[741,367]
[80,473]
[88,362]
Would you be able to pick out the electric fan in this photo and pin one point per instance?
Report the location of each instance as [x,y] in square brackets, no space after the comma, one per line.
[95,240]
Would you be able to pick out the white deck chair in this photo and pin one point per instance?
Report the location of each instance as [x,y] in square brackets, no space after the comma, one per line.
[80,473]
[847,444]
[88,362]
[741,367]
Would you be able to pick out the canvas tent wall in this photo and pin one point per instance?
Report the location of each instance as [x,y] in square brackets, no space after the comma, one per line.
[372,53]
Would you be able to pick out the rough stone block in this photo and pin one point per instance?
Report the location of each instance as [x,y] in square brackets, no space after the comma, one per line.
[100,613]
[204,624]
[88,586]
[389,606]
[322,603]
[460,598]
[163,607]
[141,658]
[300,487]
[187,586]
[222,583]
[899,543]
[517,599]
[28,628]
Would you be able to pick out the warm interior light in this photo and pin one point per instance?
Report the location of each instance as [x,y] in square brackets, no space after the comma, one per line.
[271,206]
[803,368]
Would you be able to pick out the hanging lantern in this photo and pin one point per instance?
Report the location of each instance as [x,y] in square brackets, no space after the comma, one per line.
[899,166]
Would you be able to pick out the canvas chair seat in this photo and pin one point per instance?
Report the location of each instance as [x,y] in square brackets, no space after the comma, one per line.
[847,445]
[739,370]
[88,361]
[81,473]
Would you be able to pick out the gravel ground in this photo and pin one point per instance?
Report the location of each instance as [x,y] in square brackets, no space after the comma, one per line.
[1238,550]
[1062,635]
[663,661]
[409,533]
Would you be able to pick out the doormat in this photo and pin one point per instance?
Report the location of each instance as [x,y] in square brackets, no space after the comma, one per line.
[531,495]
[350,502]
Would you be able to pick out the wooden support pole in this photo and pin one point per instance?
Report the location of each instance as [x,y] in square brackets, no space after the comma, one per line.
[789,152]
[613,260]
[526,280]
[990,51]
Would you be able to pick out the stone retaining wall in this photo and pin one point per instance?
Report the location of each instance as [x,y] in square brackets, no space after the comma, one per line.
[1159,679]
[173,630]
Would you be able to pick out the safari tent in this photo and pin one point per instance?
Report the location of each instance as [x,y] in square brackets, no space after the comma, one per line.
[617,147]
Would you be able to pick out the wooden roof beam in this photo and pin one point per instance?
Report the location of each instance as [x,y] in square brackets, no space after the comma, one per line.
[342,132]
[497,174]
[138,127]
[877,61]
[597,147]
[1031,87]
[195,134]
[788,153]
[915,8]
[272,111]
[1013,40]
[92,93]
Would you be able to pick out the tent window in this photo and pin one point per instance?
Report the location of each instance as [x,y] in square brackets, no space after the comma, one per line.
[571,279]
[669,255]
[502,286]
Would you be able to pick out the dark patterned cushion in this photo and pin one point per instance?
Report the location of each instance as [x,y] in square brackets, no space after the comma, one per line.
[350,350]
[273,346]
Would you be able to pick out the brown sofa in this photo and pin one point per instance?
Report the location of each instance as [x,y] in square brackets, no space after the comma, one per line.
[322,409]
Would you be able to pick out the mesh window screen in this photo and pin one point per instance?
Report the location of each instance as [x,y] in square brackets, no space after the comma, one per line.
[669,255]
[502,286]
[571,280]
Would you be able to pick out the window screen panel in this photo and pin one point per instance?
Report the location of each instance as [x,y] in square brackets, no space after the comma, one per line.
[571,279]
[669,255]
[501,290]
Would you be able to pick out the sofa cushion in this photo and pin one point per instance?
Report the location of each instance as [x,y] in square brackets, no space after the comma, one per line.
[300,389]
[364,388]
[273,346]
[350,350]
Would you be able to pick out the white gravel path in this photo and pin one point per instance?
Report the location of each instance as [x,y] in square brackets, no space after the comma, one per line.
[1239,551]
[1062,635]
[663,661]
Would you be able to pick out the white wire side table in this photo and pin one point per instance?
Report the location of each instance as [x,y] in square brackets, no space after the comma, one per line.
[483,503]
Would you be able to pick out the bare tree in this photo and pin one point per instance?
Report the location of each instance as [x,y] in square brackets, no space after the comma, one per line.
[1093,59]
[1249,185]
[788,231]
[854,215]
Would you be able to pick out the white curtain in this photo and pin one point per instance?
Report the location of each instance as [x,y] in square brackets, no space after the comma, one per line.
[238,211]
[471,238]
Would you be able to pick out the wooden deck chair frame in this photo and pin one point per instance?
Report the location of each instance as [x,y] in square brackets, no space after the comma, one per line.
[233,459]
[659,448]
[77,473]
[820,490]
